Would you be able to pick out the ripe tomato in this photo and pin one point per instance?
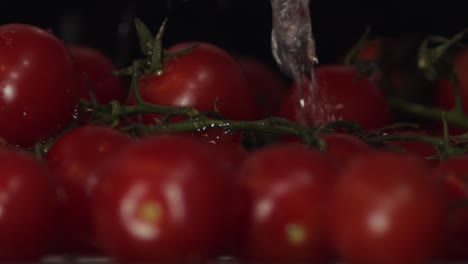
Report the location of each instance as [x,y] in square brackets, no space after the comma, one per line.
[344,147]
[96,70]
[203,78]
[339,94]
[28,207]
[284,189]
[161,199]
[267,84]
[453,173]
[371,50]
[386,209]
[73,160]
[38,84]
[445,95]
[422,149]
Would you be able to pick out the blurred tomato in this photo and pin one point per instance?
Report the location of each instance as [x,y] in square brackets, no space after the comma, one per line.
[73,160]
[27,208]
[162,199]
[453,174]
[284,195]
[387,209]
[266,82]
[344,147]
[97,70]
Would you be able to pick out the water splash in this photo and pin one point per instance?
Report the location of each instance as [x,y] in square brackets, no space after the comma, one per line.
[293,47]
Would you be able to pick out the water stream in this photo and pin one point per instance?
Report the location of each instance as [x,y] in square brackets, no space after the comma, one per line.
[293,48]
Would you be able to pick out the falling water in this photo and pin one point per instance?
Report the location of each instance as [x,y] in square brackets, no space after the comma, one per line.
[293,47]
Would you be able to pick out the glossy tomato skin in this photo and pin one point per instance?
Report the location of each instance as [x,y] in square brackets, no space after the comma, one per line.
[453,175]
[97,69]
[73,160]
[386,208]
[338,94]
[161,199]
[203,78]
[285,190]
[266,82]
[38,84]
[28,207]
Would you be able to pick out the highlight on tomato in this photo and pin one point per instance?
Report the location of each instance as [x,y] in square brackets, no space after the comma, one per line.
[39,91]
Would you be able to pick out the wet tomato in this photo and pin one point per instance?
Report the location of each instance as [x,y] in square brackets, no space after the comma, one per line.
[38,84]
[97,70]
[338,94]
[73,159]
[386,208]
[162,199]
[206,78]
[284,192]
[28,208]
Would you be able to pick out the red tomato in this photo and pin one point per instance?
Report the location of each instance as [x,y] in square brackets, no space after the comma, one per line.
[203,78]
[28,208]
[371,50]
[161,200]
[339,94]
[422,149]
[38,84]
[445,94]
[285,189]
[344,147]
[266,83]
[96,69]
[453,174]
[386,209]
[73,160]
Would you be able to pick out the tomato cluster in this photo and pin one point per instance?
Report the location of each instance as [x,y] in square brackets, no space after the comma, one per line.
[202,154]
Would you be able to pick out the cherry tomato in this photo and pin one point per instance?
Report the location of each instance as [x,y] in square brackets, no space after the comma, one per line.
[38,84]
[371,50]
[339,94]
[266,82]
[386,208]
[344,147]
[422,149]
[284,189]
[161,199]
[73,160]
[445,93]
[97,71]
[204,78]
[453,174]
[28,207]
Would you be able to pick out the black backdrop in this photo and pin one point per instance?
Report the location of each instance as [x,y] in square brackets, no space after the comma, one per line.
[240,26]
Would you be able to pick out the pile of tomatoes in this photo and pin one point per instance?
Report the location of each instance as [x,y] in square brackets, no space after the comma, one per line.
[73,186]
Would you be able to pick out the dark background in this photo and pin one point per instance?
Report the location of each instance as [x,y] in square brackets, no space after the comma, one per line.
[241,26]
